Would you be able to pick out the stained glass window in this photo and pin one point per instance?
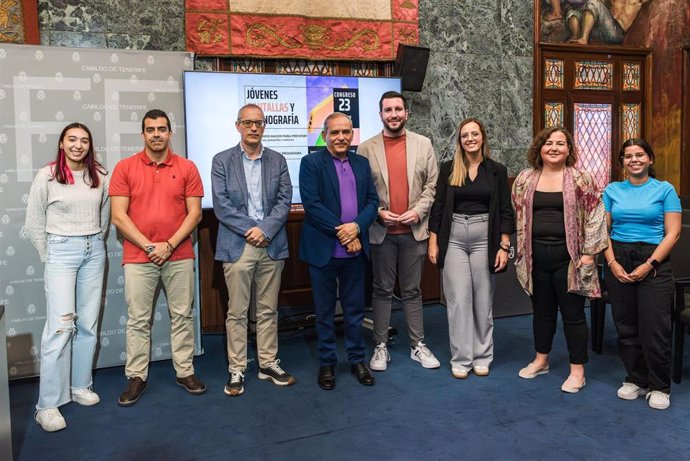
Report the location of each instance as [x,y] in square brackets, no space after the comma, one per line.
[553,114]
[592,133]
[248,65]
[631,121]
[301,67]
[593,75]
[553,73]
[631,76]
[364,69]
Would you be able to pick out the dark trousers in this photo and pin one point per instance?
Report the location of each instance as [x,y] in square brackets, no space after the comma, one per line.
[344,276]
[550,282]
[643,313]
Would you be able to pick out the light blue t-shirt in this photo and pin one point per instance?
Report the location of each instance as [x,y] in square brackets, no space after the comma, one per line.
[637,212]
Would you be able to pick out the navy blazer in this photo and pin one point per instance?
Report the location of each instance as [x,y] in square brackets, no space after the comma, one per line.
[230,203]
[320,190]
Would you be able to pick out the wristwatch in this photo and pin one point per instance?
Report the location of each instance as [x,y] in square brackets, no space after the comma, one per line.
[653,262]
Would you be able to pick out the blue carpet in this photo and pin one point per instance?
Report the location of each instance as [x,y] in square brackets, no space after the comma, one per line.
[410,414]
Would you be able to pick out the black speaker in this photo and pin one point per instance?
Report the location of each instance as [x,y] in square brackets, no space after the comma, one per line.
[410,64]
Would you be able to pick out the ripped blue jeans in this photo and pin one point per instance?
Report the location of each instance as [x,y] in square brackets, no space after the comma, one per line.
[74,290]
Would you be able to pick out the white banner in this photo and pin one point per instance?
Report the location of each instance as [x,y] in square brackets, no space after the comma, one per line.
[42,89]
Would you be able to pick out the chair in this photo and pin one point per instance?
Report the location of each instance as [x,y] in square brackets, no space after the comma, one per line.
[597,312]
[681,315]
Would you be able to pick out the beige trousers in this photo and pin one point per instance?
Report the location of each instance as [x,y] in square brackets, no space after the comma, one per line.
[255,269]
[141,281]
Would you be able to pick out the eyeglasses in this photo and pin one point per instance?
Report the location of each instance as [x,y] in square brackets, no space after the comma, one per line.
[249,123]
[636,156]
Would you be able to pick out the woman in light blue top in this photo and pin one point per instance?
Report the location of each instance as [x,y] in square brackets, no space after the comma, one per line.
[66,217]
[644,217]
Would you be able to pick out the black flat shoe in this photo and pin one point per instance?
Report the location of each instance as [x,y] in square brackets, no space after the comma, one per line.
[327,378]
[363,374]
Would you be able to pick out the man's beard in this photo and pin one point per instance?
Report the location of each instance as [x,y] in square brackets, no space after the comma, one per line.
[396,130]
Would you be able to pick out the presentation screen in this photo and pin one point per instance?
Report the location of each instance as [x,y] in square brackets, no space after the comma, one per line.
[295,108]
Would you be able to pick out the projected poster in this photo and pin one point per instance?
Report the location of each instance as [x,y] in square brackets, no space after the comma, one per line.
[295,108]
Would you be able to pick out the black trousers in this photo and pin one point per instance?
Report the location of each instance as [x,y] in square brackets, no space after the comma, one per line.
[643,313]
[550,291]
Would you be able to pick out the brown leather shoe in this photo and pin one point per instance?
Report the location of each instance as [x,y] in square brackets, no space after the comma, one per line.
[192,384]
[135,387]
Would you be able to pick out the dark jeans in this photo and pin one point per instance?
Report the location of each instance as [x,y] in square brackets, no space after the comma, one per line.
[343,277]
[643,313]
[550,282]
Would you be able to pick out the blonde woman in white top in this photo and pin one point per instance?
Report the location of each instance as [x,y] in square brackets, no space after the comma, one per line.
[66,218]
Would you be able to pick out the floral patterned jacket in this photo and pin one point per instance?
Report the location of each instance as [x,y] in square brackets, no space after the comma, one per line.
[585,227]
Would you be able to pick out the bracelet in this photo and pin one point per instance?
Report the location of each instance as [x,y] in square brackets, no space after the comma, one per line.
[170,247]
[608,263]
[504,247]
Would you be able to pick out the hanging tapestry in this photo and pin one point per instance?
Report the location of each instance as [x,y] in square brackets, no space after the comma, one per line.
[316,30]
[19,21]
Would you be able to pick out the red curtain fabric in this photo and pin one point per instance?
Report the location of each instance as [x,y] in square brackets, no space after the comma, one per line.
[19,21]
[291,29]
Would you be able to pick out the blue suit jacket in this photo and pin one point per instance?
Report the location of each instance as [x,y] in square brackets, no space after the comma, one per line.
[230,203]
[320,190]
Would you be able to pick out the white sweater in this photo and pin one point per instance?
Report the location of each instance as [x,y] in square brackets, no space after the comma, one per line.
[65,209]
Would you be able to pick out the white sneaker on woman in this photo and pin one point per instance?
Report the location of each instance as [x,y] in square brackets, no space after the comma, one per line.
[85,397]
[630,391]
[50,419]
[658,400]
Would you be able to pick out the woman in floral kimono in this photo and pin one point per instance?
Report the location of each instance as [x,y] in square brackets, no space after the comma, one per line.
[560,229]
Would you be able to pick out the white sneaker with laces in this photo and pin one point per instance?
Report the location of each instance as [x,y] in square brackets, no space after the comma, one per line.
[630,391]
[274,373]
[423,355]
[85,397]
[235,384]
[658,400]
[50,419]
[379,361]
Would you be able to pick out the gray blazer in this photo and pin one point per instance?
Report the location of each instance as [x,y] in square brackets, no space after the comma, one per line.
[230,203]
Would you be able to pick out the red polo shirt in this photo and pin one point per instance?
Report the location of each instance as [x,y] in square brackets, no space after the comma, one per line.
[157,199]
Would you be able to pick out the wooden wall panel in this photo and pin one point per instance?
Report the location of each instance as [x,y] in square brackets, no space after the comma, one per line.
[295,287]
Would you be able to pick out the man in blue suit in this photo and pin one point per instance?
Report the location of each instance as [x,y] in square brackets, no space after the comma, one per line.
[252,194]
[340,203]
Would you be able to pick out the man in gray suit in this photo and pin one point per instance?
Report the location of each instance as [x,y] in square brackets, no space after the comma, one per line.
[252,194]
[403,165]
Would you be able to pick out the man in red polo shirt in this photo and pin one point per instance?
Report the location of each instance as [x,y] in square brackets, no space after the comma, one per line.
[156,205]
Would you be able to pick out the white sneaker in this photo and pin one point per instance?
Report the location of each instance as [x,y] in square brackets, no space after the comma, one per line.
[379,362]
[630,391]
[423,355]
[459,373]
[658,400]
[85,397]
[50,419]
[480,370]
